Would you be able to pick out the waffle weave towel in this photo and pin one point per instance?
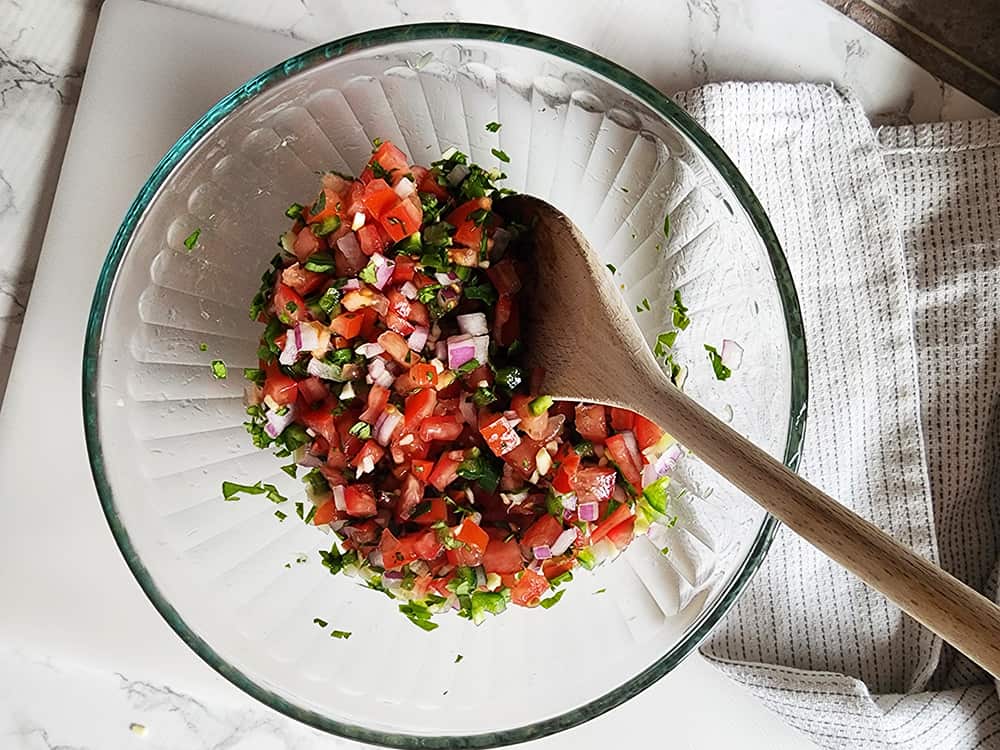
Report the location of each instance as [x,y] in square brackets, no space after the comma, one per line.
[893,237]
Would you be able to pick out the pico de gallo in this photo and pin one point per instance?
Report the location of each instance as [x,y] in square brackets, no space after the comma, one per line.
[391,372]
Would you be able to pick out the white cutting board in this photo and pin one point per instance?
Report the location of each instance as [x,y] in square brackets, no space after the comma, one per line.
[65,591]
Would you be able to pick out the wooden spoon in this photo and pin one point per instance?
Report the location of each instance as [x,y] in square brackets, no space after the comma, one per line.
[582,334]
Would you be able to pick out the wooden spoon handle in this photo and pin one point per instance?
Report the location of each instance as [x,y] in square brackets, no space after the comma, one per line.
[957,613]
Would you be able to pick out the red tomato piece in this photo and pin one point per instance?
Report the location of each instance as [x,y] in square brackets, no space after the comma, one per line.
[348,324]
[468,231]
[506,321]
[400,325]
[544,531]
[647,433]
[397,348]
[421,469]
[426,180]
[622,534]
[392,160]
[378,197]
[522,458]
[591,422]
[302,281]
[621,419]
[504,277]
[502,557]
[619,515]
[527,591]
[325,513]
[556,566]
[306,243]
[472,535]
[566,473]
[626,458]
[370,239]
[440,428]
[370,449]
[313,390]
[281,388]
[418,407]
[360,500]
[437,512]
[401,219]
[594,483]
[378,397]
[403,272]
[500,436]
[289,305]
[464,556]
[424,375]
[445,470]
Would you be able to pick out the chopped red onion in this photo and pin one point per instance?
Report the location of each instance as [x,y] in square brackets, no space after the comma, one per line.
[473,324]
[468,411]
[458,173]
[375,558]
[418,339]
[338,497]
[535,565]
[445,278]
[409,290]
[383,270]
[393,575]
[307,336]
[441,350]
[291,351]
[482,345]
[567,514]
[376,367]
[351,285]
[480,576]
[370,350]
[387,425]
[731,354]
[569,501]
[447,298]
[404,187]
[276,423]
[385,379]
[541,552]
[320,369]
[351,249]
[587,511]
[629,437]
[649,475]
[563,542]
[310,461]
[461,349]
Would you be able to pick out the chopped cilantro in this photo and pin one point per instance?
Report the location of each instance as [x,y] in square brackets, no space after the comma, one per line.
[468,367]
[219,370]
[721,371]
[294,211]
[484,292]
[666,226]
[332,560]
[483,396]
[681,319]
[230,490]
[612,268]
[509,378]
[319,205]
[279,515]
[645,304]
[192,239]
[368,273]
[600,591]
[478,468]
[263,295]
[419,614]
[203,346]
[320,621]
[342,634]
[458,658]
[320,262]
[380,172]
[255,376]
[291,469]
[664,343]
[501,155]
[564,577]
[665,551]
[493,127]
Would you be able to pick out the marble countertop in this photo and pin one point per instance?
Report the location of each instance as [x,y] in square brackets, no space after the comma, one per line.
[47,702]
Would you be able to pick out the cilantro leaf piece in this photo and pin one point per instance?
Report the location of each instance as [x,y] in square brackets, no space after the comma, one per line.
[552,600]
[681,319]
[219,369]
[343,634]
[320,621]
[192,239]
[501,155]
[493,127]
[721,371]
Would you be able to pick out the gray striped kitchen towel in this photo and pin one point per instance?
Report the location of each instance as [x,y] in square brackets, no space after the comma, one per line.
[893,236]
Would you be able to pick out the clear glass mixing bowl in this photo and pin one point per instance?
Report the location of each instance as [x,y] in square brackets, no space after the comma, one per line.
[619,157]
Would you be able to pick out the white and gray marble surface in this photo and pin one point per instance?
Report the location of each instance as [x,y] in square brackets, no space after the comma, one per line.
[43,51]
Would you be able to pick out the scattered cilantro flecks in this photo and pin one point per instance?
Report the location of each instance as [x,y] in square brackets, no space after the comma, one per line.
[231,489]
[320,621]
[501,155]
[468,367]
[279,515]
[458,658]
[493,127]
[666,226]
[552,600]
[192,239]
[419,614]
[664,342]
[612,268]
[361,430]
[681,319]
[343,634]
[203,346]
[219,370]
[665,551]
[600,591]
[294,211]
[721,371]
[291,470]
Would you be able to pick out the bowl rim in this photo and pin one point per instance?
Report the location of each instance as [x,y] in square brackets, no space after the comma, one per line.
[658,102]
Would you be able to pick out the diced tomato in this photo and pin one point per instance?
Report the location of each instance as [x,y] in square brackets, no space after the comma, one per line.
[566,473]
[440,428]
[618,515]
[622,534]
[522,457]
[348,324]
[472,535]
[359,500]
[594,483]
[400,325]
[418,407]
[500,436]
[279,387]
[289,305]
[621,419]
[378,397]
[363,532]
[437,512]
[504,277]
[556,566]
[370,449]
[378,197]
[313,390]
[502,557]
[468,231]
[392,160]
[426,180]
[325,513]
[394,554]
[306,243]
[465,556]
[403,271]
[421,469]
[329,200]
[321,421]
[647,433]
[626,458]
[424,375]
[529,588]
[591,422]
[424,545]
[401,220]
[370,239]
[302,281]
[397,348]
[411,493]
[544,531]
[506,321]
[445,470]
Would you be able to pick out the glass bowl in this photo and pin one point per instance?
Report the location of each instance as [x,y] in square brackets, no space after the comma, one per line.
[243,588]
